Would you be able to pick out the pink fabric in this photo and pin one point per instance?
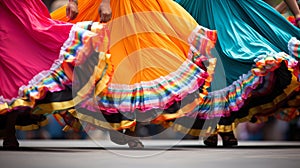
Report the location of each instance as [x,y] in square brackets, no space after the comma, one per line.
[30,42]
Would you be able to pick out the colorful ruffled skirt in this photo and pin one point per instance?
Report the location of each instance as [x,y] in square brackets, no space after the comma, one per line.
[259,53]
[38,56]
[163,64]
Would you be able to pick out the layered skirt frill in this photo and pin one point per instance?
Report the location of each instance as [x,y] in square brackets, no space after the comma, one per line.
[259,50]
[162,63]
[38,58]
[147,85]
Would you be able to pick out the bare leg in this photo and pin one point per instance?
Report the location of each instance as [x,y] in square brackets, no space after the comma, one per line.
[281,8]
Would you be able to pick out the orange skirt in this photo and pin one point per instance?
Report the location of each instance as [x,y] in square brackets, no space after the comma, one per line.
[160,56]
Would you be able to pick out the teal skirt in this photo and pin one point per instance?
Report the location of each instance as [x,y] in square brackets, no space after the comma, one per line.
[258,52]
[246,29]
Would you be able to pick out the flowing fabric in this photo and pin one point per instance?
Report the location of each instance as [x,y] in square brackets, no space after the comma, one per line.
[20,28]
[163,70]
[259,49]
[162,62]
[37,57]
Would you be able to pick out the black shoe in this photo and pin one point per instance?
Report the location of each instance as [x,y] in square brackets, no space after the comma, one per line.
[10,144]
[211,141]
[228,139]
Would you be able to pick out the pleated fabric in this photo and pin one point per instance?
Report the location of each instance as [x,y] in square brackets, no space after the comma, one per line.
[163,63]
[259,51]
[38,56]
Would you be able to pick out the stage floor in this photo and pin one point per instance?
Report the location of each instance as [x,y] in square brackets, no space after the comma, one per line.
[157,153]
